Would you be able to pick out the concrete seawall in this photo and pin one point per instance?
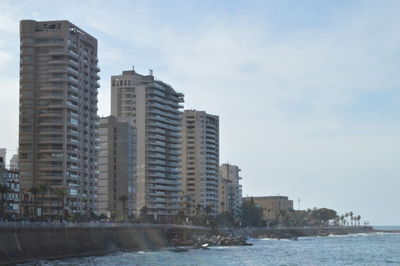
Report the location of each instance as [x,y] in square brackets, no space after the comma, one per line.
[21,243]
[25,244]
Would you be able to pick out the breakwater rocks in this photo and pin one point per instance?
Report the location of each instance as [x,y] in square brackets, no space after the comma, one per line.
[21,244]
[218,240]
[295,232]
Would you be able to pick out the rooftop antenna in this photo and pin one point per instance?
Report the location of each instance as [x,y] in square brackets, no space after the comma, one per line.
[151,72]
[133,68]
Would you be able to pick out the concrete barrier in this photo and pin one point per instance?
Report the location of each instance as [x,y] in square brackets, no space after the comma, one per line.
[33,243]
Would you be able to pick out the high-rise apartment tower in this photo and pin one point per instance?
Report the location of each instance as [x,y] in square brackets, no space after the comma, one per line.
[117,166]
[58,140]
[200,159]
[154,108]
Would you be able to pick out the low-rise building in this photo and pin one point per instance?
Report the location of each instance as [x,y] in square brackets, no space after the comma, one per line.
[10,200]
[272,206]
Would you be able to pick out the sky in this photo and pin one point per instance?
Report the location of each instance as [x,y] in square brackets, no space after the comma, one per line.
[308,92]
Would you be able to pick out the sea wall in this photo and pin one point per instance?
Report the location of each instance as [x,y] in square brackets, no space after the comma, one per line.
[19,244]
[26,243]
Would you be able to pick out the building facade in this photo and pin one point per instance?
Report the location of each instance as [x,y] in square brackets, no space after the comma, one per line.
[117,166]
[10,201]
[154,108]
[14,162]
[200,160]
[230,189]
[58,141]
[273,205]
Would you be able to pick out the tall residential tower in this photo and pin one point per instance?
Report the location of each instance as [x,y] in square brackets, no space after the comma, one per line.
[117,166]
[200,159]
[154,108]
[58,140]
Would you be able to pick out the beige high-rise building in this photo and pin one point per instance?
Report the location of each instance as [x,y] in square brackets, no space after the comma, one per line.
[58,141]
[230,189]
[154,108]
[200,159]
[117,166]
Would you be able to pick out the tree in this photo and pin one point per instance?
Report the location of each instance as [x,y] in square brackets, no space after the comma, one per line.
[342,219]
[225,219]
[180,217]
[144,214]
[123,199]
[351,218]
[34,190]
[323,215]
[60,195]
[208,210]
[43,189]
[4,190]
[251,213]
[198,209]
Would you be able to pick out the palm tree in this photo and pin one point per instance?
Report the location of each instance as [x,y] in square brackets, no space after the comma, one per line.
[358,219]
[34,190]
[123,199]
[351,217]
[208,210]
[143,213]
[4,190]
[60,195]
[43,190]
[198,209]
[346,215]
[342,219]
[180,216]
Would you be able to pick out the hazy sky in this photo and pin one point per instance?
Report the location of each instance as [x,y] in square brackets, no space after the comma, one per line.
[308,92]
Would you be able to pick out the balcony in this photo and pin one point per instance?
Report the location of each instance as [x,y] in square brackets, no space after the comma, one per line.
[156,149]
[156,156]
[156,168]
[166,188]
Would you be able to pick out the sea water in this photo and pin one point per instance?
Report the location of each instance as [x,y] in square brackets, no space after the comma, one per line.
[358,249]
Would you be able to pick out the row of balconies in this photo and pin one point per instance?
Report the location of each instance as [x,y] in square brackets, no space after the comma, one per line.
[162,107]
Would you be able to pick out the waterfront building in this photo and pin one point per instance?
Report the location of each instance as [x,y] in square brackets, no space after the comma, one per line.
[9,178]
[154,108]
[58,141]
[3,155]
[230,189]
[14,162]
[273,205]
[117,166]
[200,159]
